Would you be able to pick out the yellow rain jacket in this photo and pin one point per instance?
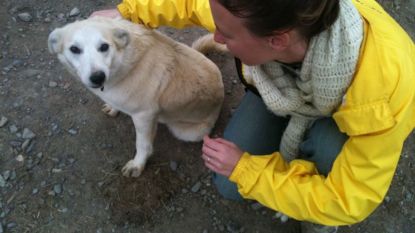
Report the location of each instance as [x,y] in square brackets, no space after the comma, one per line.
[378,114]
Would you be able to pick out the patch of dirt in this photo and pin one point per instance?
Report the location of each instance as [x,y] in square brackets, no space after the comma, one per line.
[61,157]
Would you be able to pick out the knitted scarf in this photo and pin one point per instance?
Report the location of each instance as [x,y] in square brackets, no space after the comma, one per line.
[317,90]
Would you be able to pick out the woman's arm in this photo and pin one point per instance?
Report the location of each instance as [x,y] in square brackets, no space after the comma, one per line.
[174,13]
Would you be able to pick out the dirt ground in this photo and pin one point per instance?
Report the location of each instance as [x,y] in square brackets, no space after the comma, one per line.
[60,156]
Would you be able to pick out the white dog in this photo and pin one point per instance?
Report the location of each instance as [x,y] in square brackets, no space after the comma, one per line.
[144,74]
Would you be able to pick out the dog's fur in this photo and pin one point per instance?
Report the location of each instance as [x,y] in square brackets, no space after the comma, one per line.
[144,74]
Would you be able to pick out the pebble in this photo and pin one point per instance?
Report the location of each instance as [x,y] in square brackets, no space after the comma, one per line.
[53,84]
[20,158]
[25,17]
[13,175]
[233,227]
[11,225]
[284,218]
[28,134]
[72,131]
[196,187]
[3,121]
[61,16]
[173,165]
[13,129]
[56,170]
[74,12]
[25,144]
[6,174]
[256,206]
[2,182]
[35,191]
[57,188]
[15,143]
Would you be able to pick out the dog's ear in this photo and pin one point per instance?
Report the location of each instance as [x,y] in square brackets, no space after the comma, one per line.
[55,41]
[121,38]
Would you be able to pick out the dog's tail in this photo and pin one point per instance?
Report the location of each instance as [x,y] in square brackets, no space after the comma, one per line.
[207,44]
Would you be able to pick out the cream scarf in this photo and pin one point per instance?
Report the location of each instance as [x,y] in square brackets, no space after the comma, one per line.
[317,90]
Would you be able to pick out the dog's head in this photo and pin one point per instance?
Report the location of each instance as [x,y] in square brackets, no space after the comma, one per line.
[90,49]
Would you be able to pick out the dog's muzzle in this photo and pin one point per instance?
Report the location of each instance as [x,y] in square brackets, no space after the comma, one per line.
[97,79]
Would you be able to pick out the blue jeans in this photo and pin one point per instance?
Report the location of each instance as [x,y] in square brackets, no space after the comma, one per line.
[258,131]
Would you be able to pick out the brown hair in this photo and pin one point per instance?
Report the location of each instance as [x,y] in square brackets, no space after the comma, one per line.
[264,17]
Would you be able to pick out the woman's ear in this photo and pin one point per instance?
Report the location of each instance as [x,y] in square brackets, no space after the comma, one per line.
[279,41]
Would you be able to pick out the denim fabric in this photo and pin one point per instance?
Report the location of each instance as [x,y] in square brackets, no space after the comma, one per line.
[258,131]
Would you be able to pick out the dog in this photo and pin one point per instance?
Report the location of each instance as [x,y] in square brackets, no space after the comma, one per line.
[145,74]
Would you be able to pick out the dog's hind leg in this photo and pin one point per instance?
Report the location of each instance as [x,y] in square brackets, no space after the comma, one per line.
[193,131]
[145,124]
[109,110]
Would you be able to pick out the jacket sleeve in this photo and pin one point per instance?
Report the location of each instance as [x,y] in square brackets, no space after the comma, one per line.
[174,13]
[357,184]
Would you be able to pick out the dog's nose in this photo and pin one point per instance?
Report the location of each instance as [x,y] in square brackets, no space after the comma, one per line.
[97,78]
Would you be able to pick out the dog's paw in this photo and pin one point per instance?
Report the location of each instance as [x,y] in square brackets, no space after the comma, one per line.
[132,169]
[110,111]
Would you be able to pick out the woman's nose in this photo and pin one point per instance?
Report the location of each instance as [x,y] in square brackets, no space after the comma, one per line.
[218,37]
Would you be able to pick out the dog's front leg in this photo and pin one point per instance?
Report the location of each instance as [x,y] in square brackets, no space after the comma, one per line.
[145,124]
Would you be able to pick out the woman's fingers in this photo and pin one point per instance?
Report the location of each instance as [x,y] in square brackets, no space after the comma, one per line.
[224,141]
[211,163]
[209,151]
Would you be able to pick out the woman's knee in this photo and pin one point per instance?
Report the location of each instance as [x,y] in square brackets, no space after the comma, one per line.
[322,144]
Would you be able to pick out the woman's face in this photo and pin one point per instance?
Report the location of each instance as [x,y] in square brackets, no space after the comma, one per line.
[230,30]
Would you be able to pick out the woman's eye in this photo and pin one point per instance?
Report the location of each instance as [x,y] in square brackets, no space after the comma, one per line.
[104,47]
[75,49]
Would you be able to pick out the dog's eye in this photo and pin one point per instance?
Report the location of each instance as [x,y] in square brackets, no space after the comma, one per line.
[75,49]
[104,47]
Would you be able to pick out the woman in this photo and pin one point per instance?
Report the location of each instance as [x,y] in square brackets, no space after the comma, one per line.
[330,87]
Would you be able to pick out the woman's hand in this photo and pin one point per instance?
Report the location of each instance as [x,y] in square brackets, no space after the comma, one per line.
[220,155]
[111,13]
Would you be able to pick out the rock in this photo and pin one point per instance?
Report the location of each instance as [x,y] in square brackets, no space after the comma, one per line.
[74,12]
[233,227]
[29,73]
[57,188]
[256,206]
[61,16]
[20,158]
[72,131]
[13,129]
[11,225]
[28,134]
[35,191]
[25,17]
[53,84]
[173,165]
[2,182]
[196,187]
[3,121]
[6,174]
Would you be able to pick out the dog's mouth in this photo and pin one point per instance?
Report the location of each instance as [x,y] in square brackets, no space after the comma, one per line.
[97,86]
